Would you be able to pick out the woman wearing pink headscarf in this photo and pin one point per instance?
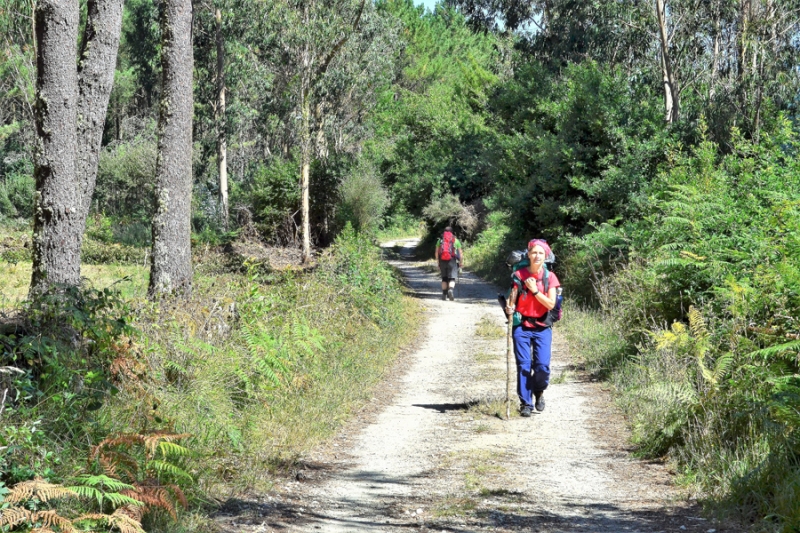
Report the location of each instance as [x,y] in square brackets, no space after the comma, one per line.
[533,338]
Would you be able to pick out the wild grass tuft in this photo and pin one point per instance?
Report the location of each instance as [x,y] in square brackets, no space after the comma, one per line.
[487,328]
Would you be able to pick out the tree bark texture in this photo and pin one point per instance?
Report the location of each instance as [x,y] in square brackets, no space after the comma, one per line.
[98,60]
[57,227]
[171,259]
[668,78]
[305,172]
[222,140]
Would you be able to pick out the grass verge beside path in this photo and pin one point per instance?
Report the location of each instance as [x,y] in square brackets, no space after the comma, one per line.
[724,448]
[258,366]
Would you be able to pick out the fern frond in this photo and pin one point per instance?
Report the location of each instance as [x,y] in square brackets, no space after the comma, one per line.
[722,365]
[155,497]
[89,516]
[707,374]
[134,512]
[777,350]
[116,463]
[118,500]
[672,262]
[151,441]
[264,350]
[39,489]
[107,483]
[697,325]
[51,518]
[90,493]
[690,255]
[125,523]
[164,467]
[127,439]
[170,448]
[669,393]
[179,495]
[14,516]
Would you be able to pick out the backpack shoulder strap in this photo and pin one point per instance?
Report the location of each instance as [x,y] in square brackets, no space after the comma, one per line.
[546,279]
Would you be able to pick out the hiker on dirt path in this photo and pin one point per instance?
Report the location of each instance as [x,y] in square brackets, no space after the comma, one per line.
[533,338]
[450,256]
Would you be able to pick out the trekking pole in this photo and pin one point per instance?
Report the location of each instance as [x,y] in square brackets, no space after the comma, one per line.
[509,350]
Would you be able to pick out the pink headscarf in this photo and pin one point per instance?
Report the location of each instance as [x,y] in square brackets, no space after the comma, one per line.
[548,253]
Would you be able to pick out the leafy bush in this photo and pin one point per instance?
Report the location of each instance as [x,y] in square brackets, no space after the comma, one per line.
[125,186]
[16,194]
[706,284]
[64,347]
[274,195]
[363,199]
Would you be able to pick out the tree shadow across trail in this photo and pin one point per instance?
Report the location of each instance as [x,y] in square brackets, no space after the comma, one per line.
[427,286]
[499,509]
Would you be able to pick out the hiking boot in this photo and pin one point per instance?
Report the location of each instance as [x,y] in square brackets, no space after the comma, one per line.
[525,411]
[450,294]
[444,295]
[539,402]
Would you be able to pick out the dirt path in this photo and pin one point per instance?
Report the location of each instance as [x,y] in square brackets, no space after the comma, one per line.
[436,457]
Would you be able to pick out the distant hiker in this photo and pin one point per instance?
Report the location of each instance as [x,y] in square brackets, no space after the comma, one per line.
[450,256]
[533,298]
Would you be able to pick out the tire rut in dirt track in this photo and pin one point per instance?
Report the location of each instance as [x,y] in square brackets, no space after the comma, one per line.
[436,459]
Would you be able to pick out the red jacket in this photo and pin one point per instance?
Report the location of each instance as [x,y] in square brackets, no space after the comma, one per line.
[527,304]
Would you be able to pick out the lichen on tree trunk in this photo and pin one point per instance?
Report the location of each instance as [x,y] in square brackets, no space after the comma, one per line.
[56,223]
[171,258]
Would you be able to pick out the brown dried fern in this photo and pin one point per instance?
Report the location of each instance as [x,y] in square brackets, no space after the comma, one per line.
[51,518]
[150,441]
[39,489]
[136,512]
[14,516]
[122,520]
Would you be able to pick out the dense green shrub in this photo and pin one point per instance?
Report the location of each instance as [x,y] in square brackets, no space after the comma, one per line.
[274,196]
[363,200]
[125,179]
[57,360]
[707,285]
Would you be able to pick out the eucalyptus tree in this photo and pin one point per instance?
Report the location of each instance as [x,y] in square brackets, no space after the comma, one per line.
[71,104]
[171,258]
[328,58]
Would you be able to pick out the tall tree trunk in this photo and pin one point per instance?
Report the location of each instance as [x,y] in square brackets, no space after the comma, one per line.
[305,172]
[57,227]
[712,86]
[222,140]
[670,92]
[171,259]
[95,79]
[741,39]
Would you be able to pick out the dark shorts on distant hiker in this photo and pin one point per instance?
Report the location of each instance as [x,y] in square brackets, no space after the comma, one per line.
[448,269]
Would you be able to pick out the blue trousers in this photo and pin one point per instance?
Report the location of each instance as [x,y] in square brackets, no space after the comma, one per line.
[532,348]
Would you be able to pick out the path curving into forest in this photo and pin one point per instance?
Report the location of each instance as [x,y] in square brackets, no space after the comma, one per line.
[432,456]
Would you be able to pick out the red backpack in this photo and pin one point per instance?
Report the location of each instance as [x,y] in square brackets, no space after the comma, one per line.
[448,246]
